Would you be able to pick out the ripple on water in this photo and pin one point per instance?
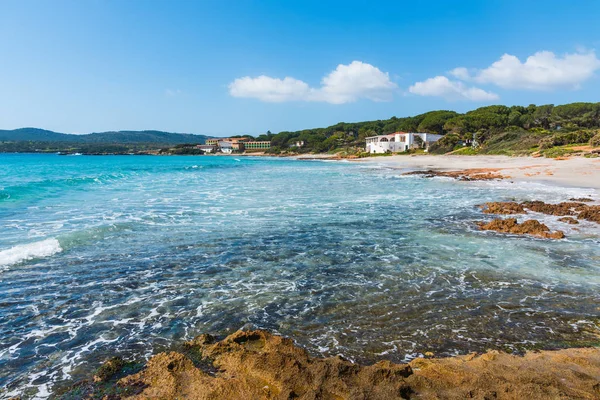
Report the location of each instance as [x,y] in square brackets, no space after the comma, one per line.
[344,259]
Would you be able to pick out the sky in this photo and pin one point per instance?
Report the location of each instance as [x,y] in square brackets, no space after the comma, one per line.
[244,67]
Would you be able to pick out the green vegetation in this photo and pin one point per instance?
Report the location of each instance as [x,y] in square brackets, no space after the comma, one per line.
[32,140]
[69,148]
[183,150]
[561,151]
[497,129]
[595,141]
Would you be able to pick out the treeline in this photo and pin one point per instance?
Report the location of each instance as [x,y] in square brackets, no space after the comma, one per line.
[69,147]
[120,137]
[531,124]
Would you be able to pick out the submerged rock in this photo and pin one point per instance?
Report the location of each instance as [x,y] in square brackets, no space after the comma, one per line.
[591,213]
[581,199]
[530,227]
[259,365]
[569,220]
[110,368]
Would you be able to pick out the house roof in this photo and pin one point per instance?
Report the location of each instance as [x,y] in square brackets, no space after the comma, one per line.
[389,135]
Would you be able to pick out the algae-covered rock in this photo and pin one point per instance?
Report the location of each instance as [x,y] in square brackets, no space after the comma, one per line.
[109,369]
[569,220]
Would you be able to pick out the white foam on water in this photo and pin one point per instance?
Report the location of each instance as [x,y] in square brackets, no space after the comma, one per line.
[29,251]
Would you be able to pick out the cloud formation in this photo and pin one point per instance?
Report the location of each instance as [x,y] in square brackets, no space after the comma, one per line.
[345,84]
[441,86]
[540,71]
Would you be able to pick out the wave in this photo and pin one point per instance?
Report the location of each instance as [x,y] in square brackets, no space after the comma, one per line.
[45,186]
[29,251]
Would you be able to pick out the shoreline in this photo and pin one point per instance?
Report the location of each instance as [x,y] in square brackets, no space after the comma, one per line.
[259,364]
[569,172]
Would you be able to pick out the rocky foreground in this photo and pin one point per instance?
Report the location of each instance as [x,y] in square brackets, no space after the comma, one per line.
[259,365]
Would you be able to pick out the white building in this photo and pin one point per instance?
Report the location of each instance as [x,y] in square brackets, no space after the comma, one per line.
[400,141]
[226,147]
[207,148]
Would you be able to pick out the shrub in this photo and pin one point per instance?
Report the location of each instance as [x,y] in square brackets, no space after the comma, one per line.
[595,141]
[562,139]
[557,152]
[444,145]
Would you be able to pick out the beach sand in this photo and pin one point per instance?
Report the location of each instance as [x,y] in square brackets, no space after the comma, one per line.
[573,172]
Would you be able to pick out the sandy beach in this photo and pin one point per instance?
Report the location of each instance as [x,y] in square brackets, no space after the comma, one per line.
[574,172]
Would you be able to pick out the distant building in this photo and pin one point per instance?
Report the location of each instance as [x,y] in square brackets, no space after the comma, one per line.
[237,144]
[207,148]
[226,147]
[254,145]
[300,143]
[236,139]
[400,141]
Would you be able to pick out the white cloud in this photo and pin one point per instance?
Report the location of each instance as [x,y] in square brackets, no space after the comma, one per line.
[347,83]
[541,71]
[441,86]
[269,89]
[461,73]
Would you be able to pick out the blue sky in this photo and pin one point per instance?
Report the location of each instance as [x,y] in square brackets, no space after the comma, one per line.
[220,68]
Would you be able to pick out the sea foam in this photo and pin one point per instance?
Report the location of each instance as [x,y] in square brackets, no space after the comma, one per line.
[24,252]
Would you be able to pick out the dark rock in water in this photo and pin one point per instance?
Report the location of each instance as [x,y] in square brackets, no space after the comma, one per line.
[259,365]
[569,220]
[109,369]
[530,227]
[591,213]
[567,208]
[581,199]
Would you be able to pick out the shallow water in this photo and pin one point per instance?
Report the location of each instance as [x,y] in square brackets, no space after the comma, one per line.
[106,254]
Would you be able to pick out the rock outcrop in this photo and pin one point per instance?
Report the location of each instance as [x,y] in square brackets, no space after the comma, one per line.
[474,174]
[569,220]
[565,209]
[529,227]
[259,365]
[503,208]
[560,209]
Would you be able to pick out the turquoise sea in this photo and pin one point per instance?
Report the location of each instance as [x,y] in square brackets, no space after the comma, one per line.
[132,254]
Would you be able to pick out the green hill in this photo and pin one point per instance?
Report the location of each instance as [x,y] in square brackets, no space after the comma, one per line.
[40,140]
[498,129]
[41,135]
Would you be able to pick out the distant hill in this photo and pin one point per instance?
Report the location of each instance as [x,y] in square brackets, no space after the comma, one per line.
[120,137]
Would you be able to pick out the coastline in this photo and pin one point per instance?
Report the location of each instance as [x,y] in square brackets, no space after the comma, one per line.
[567,172]
[258,364]
[463,362]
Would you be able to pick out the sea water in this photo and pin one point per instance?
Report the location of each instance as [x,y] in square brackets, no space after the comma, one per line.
[129,255]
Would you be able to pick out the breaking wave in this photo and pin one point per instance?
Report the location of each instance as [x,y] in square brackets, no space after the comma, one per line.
[29,251]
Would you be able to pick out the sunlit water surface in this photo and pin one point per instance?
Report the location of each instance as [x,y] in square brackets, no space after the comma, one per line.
[115,254]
